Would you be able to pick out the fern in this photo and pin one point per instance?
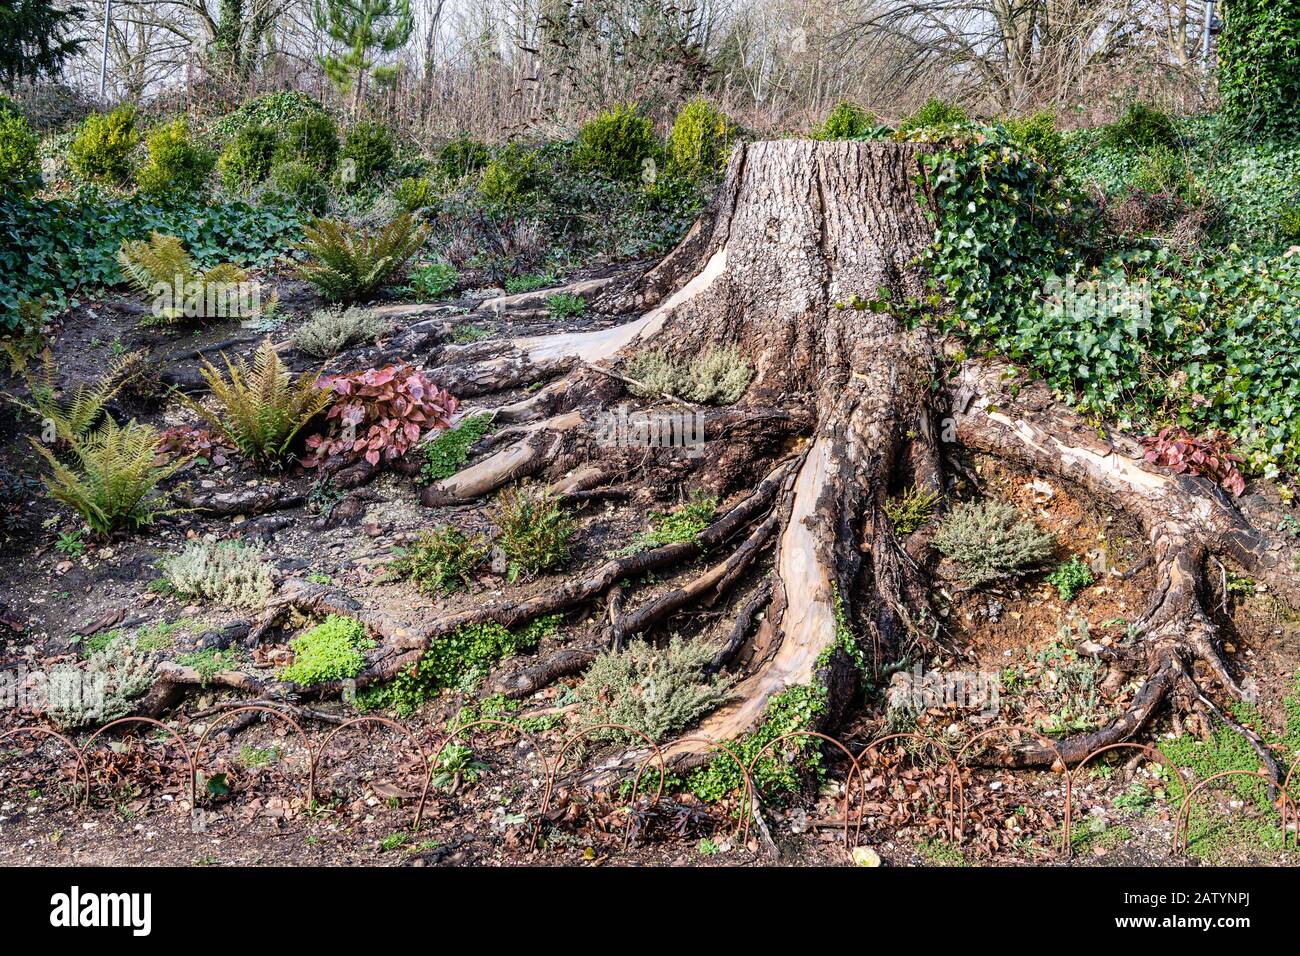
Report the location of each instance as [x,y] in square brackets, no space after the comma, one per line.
[73,415]
[262,406]
[160,266]
[117,472]
[347,263]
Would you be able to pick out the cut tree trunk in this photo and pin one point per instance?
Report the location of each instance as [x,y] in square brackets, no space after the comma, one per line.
[845,403]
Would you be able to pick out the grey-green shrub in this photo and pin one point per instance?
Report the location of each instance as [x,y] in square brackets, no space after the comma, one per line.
[656,690]
[991,541]
[718,376]
[329,331]
[226,572]
[112,679]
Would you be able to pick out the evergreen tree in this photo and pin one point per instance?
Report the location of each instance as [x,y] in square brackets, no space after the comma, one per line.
[363,30]
[33,39]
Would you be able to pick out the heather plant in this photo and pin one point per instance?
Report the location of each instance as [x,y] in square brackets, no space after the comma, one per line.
[718,376]
[329,331]
[911,510]
[991,541]
[227,572]
[656,690]
[120,672]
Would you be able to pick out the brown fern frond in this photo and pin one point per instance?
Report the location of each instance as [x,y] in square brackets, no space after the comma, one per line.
[261,406]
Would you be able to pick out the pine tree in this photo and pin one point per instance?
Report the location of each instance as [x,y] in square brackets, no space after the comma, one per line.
[365,30]
[33,39]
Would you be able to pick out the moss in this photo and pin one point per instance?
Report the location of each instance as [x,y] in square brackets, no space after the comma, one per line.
[446,454]
[782,768]
[332,650]
[458,660]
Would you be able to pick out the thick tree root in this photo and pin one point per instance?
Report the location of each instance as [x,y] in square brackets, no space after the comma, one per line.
[1185,519]
[800,240]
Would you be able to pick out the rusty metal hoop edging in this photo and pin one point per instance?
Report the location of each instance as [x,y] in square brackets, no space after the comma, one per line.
[1125,744]
[392,725]
[1288,801]
[83,772]
[1065,769]
[1183,822]
[855,767]
[742,827]
[261,708]
[636,784]
[189,759]
[523,735]
[956,791]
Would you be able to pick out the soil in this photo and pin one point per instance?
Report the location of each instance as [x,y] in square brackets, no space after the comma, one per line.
[253,788]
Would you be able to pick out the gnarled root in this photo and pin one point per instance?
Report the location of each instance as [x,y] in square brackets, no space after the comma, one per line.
[1186,519]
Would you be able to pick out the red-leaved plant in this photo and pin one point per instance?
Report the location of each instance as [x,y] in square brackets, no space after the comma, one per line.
[1183,453]
[379,415]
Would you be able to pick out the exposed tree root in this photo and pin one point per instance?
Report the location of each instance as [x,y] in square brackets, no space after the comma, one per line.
[841,411]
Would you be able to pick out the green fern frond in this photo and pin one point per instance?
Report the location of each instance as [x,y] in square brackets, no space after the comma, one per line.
[159,260]
[73,415]
[262,407]
[347,263]
[117,471]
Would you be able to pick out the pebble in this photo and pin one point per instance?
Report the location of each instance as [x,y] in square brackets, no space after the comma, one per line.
[865,856]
